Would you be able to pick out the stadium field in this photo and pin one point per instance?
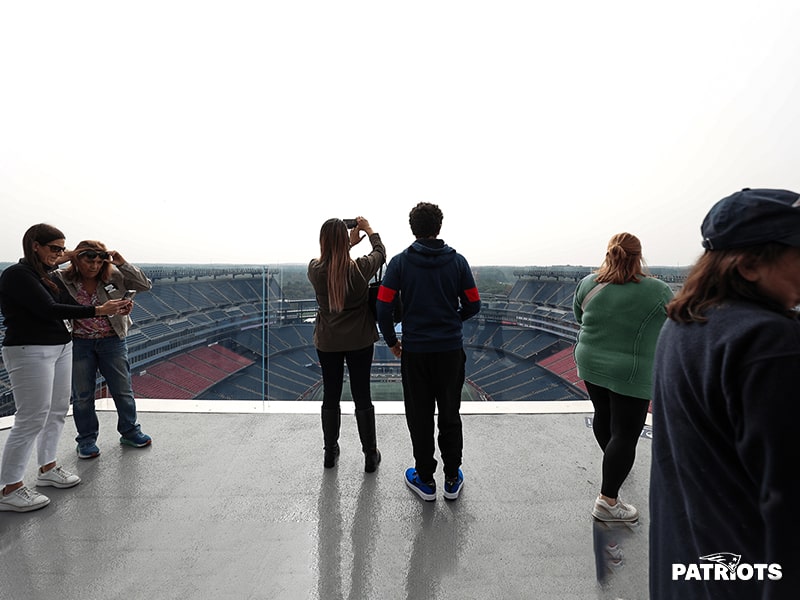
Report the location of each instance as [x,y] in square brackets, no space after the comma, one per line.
[391,391]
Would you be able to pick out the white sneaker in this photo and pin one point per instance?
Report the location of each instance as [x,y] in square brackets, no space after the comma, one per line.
[57,477]
[603,511]
[23,500]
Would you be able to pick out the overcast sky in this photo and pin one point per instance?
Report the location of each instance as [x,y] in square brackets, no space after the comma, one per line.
[227,132]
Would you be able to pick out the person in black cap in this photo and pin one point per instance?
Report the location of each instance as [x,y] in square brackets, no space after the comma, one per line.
[724,486]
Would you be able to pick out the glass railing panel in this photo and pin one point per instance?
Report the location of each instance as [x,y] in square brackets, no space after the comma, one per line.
[245,333]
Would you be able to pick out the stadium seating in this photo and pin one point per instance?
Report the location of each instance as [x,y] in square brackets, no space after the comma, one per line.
[210,338]
[563,364]
[189,374]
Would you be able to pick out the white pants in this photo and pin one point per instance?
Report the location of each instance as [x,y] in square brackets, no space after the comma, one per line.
[41,377]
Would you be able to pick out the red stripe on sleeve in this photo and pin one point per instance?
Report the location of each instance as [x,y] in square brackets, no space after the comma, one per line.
[386,294]
[472,294]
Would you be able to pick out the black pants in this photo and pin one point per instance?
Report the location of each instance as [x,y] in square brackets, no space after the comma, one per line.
[617,424]
[432,379]
[359,364]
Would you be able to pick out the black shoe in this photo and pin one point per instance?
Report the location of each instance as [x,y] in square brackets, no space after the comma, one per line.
[331,456]
[331,420]
[372,460]
[365,419]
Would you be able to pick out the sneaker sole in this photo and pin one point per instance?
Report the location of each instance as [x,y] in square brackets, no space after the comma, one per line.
[21,509]
[425,496]
[132,444]
[453,495]
[607,518]
[87,456]
[56,484]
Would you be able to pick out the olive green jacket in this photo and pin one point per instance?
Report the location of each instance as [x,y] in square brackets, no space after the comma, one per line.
[354,328]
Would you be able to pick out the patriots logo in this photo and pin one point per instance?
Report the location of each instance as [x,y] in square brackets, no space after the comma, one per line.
[730,560]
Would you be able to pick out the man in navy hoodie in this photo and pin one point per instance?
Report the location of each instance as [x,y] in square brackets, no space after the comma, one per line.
[438,293]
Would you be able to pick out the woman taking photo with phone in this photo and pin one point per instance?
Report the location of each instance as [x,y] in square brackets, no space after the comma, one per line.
[94,276]
[345,330]
[37,351]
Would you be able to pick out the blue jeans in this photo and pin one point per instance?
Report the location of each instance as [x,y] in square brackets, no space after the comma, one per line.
[109,356]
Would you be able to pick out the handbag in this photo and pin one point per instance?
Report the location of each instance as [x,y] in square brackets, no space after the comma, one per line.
[372,289]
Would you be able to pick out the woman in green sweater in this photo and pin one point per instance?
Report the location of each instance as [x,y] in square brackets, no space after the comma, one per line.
[620,309]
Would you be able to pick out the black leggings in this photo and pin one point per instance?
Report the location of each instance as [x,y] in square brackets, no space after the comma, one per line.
[617,424]
[359,364]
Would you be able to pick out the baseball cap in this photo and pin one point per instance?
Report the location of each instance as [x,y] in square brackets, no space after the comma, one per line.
[753,217]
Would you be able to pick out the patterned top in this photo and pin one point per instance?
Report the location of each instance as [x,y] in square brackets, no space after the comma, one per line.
[92,328]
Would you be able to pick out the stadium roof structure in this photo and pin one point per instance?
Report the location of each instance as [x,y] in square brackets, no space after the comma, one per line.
[576,273]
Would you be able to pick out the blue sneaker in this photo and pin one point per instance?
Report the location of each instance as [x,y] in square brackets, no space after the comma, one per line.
[426,491]
[89,450]
[453,486]
[137,440]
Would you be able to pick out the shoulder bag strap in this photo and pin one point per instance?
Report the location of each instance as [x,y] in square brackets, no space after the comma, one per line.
[592,293]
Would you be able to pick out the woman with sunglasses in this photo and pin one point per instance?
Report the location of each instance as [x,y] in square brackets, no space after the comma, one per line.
[37,351]
[93,277]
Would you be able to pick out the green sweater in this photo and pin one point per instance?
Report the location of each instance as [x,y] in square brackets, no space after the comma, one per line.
[619,329]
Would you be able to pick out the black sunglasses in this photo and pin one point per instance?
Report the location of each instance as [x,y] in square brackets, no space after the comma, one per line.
[92,254]
[57,249]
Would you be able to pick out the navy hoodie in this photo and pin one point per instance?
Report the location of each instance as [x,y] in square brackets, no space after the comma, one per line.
[438,293]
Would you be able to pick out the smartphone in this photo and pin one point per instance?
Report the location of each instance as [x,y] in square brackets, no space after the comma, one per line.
[129,295]
[350,223]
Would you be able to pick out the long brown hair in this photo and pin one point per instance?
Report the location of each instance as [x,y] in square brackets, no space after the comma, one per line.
[623,261]
[42,234]
[715,278]
[334,246]
[72,272]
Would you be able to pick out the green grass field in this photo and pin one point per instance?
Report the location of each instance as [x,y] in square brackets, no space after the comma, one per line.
[383,391]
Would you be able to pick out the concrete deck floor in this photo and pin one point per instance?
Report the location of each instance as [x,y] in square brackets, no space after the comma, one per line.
[238,506]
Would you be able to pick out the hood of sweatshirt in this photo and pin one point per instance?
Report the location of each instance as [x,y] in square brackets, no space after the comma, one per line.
[429,253]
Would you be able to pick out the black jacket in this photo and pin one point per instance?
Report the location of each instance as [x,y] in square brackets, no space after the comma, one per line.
[31,311]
